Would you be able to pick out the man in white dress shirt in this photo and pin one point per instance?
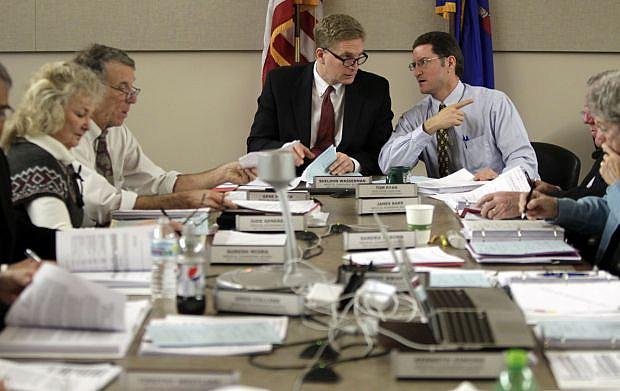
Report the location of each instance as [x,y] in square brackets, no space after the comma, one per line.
[133,181]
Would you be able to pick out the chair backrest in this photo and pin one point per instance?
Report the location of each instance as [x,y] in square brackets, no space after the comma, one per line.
[557,165]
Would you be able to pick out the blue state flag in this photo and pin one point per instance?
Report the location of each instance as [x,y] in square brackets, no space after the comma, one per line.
[473,33]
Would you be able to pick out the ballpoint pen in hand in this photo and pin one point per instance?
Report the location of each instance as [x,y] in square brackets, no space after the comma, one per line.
[31,254]
[529,195]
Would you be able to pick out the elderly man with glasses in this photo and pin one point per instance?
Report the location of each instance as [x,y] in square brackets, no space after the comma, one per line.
[593,215]
[128,178]
[328,102]
[457,125]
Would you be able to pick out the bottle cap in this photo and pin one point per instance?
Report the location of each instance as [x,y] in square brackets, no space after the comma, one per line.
[516,358]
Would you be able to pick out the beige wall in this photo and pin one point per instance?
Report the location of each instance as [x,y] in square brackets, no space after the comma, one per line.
[197,107]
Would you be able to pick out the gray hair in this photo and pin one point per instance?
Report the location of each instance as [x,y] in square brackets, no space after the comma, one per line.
[96,56]
[604,98]
[335,28]
[42,110]
[4,76]
[593,79]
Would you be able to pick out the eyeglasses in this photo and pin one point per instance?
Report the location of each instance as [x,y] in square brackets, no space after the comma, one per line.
[421,63]
[5,112]
[133,92]
[349,62]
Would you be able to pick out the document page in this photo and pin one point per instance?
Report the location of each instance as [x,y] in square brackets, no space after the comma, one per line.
[105,249]
[320,165]
[585,370]
[55,298]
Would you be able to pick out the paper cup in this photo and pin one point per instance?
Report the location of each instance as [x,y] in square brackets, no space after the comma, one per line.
[420,220]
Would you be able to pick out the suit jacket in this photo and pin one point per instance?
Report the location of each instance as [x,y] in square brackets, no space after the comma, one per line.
[285,105]
[16,231]
[597,188]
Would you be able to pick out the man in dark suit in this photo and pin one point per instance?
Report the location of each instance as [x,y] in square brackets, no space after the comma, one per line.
[306,108]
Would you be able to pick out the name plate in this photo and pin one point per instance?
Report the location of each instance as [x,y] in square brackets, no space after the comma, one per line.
[270,303]
[393,278]
[301,195]
[268,223]
[247,254]
[374,240]
[384,205]
[340,182]
[381,190]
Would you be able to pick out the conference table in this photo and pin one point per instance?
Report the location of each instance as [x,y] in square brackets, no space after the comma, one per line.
[365,374]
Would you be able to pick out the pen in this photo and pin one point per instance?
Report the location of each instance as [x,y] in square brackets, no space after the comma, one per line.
[564,274]
[529,195]
[163,211]
[31,254]
[465,140]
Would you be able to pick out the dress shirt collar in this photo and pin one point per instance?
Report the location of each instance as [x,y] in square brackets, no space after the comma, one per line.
[454,97]
[53,146]
[94,130]
[321,85]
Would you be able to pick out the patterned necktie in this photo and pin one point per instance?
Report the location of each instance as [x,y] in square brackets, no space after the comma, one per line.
[327,124]
[103,161]
[74,179]
[442,149]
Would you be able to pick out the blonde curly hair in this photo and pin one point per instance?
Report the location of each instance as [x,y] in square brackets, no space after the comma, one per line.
[42,109]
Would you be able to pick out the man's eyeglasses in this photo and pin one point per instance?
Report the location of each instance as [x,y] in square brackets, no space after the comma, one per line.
[349,62]
[421,63]
[5,112]
[130,93]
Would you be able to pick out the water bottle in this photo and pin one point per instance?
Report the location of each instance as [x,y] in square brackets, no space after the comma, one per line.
[517,376]
[164,250]
[191,265]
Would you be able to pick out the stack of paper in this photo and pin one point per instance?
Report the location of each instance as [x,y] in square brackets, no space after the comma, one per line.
[422,256]
[127,283]
[511,180]
[142,214]
[523,251]
[583,370]
[572,299]
[113,249]
[458,182]
[54,376]
[237,343]
[59,314]
[586,333]
[296,207]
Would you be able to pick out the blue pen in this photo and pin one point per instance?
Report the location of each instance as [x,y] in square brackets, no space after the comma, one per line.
[465,140]
[565,275]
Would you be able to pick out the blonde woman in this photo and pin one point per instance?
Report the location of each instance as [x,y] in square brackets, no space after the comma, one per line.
[52,118]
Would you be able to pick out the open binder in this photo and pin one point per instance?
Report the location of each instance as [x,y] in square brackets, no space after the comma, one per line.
[517,241]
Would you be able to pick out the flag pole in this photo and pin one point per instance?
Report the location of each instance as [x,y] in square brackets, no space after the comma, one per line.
[297,20]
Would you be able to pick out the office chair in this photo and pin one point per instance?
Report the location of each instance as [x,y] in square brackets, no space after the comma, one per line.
[557,165]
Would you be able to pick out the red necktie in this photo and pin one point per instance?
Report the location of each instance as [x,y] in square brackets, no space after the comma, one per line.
[327,124]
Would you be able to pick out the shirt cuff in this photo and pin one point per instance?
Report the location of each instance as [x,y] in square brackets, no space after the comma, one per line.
[356,165]
[128,200]
[167,185]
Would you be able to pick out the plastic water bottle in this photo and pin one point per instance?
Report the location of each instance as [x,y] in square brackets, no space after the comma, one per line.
[191,267]
[517,376]
[164,250]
